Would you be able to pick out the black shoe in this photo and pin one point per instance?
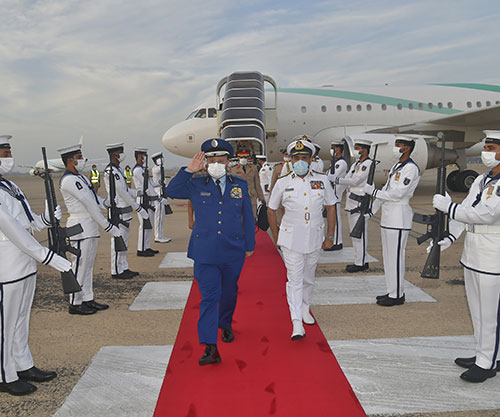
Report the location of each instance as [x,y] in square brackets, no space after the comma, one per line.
[123,275]
[81,309]
[389,302]
[18,387]
[154,252]
[211,355]
[468,362]
[145,253]
[379,297]
[478,374]
[132,273]
[94,304]
[36,375]
[334,248]
[356,268]
[227,335]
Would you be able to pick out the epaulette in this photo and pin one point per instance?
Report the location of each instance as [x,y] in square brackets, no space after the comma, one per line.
[199,175]
[237,177]
[285,175]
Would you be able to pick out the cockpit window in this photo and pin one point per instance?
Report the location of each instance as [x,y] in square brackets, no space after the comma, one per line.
[201,114]
[212,112]
[191,115]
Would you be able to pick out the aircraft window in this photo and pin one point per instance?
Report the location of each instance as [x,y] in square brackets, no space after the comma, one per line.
[469,104]
[478,104]
[488,103]
[440,105]
[323,109]
[191,115]
[410,106]
[369,107]
[430,105]
[450,105]
[303,109]
[348,107]
[400,106]
[358,107]
[212,112]
[497,102]
[202,113]
[420,106]
[339,108]
[384,106]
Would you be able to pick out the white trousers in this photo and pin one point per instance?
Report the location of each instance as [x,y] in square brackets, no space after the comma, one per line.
[358,244]
[483,295]
[15,307]
[394,254]
[300,270]
[119,259]
[83,268]
[144,238]
[338,226]
[159,217]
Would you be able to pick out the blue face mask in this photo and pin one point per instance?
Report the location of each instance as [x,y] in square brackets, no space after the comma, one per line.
[301,167]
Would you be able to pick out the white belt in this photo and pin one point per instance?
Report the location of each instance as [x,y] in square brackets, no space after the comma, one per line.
[82,215]
[483,228]
[357,190]
[402,202]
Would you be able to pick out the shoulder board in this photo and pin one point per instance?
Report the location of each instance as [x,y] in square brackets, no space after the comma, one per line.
[285,175]
[199,175]
[237,177]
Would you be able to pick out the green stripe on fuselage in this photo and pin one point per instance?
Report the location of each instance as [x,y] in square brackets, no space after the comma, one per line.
[368,98]
[473,86]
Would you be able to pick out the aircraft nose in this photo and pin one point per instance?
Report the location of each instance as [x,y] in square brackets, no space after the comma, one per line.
[186,137]
[173,138]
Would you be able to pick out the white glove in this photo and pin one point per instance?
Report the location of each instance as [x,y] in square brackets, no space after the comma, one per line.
[444,244]
[369,188]
[60,263]
[337,180]
[115,232]
[57,212]
[441,202]
[368,215]
[143,213]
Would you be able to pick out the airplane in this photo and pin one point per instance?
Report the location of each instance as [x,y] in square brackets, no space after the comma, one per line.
[266,119]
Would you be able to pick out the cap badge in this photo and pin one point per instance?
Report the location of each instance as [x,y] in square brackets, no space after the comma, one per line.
[299,146]
[305,138]
[214,143]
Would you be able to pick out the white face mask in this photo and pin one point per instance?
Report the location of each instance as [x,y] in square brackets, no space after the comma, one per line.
[489,159]
[121,157]
[243,161]
[80,165]
[357,155]
[6,165]
[216,170]
[396,151]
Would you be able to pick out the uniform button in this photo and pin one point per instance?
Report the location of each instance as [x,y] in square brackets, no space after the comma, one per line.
[305,193]
[219,232]
[220,202]
[305,208]
[220,212]
[219,222]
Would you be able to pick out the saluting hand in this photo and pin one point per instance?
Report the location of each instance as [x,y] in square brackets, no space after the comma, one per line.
[197,162]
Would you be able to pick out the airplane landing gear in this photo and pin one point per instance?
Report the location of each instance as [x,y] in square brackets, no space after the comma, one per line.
[461,180]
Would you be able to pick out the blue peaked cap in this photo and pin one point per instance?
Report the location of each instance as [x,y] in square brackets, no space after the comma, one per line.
[217,147]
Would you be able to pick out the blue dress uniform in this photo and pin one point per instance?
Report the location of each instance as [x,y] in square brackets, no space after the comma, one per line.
[224,230]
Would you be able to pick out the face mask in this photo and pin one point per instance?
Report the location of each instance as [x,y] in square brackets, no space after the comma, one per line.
[233,163]
[121,157]
[396,151]
[81,164]
[301,167]
[356,156]
[489,159]
[243,161]
[216,170]
[6,165]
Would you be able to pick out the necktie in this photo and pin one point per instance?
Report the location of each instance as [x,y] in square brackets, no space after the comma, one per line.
[218,186]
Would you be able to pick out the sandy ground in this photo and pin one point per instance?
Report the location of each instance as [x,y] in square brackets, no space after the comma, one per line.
[67,343]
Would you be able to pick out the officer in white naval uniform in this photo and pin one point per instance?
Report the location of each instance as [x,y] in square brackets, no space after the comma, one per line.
[355,181]
[144,236]
[479,215]
[161,203]
[265,176]
[19,252]
[303,193]
[341,168]
[317,163]
[125,203]
[396,220]
[84,207]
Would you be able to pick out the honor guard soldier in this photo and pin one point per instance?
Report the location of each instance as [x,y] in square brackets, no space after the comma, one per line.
[161,203]
[84,207]
[223,235]
[340,171]
[303,193]
[355,181]
[144,237]
[125,203]
[265,176]
[19,252]
[317,163]
[479,215]
[396,220]
[95,178]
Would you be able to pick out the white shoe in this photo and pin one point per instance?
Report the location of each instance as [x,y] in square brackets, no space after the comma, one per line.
[307,318]
[298,330]
[163,240]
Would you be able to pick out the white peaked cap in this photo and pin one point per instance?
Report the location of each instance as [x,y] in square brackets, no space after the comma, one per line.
[336,142]
[303,138]
[70,149]
[145,150]
[112,146]
[157,155]
[297,146]
[261,156]
[405,138]
[5,139]
[492,134]
[366,142]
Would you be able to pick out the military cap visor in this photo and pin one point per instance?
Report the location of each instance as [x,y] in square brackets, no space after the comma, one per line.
[157,155]
[113,147]
[70,150]
[5,141]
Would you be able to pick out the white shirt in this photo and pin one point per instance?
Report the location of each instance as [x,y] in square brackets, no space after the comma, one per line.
[302,225]
[341,168]
[137,176]
[355,181]
[317,164]
[124,194]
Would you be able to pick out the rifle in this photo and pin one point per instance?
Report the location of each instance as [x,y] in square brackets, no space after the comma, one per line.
[113,212]
[58,235]
[168,209]
[365,202]
[437,224]
[145,198]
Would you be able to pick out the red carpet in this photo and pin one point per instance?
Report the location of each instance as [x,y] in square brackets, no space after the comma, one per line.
[262,373]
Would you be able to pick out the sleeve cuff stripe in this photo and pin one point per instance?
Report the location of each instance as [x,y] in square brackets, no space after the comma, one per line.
[454,210]
[48,258]
[452,237]
[108,227]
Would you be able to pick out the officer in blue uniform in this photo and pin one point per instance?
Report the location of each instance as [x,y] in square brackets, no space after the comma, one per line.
[223,235]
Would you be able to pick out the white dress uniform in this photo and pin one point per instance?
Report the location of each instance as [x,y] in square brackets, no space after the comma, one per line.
[355,180]
[341,169]
[144,238]
[125,202]
[479,215]
[301,232]
[317,164]
[396,221]
[159,204]
[265,177]
[19,252]
[84,208]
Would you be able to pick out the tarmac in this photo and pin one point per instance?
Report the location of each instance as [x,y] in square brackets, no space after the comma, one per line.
[399,360]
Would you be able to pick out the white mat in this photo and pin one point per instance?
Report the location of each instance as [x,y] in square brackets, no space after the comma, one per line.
[162,296]
[176,260]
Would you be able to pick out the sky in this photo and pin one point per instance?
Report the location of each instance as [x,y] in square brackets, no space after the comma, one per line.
[127,70]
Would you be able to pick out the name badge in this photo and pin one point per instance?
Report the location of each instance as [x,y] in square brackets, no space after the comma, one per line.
[205,194]
[317,185]
[236,192]
[289,189]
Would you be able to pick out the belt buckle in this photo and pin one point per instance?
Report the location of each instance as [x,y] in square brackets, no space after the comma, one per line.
[471,228]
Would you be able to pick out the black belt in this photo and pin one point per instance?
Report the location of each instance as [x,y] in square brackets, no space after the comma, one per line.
[356,197]
[124,210]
